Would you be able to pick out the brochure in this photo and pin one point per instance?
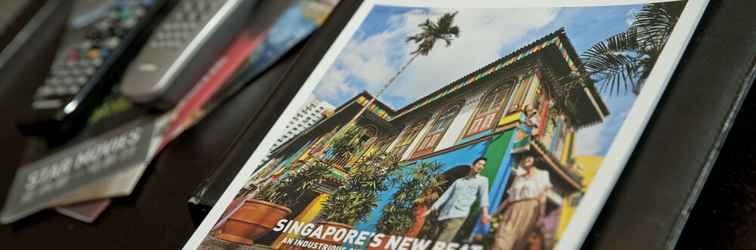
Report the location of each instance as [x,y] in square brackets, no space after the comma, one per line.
[67,181]
[459,125]
[189,111]
[218,84]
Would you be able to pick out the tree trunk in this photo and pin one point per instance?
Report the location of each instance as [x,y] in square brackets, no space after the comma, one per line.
[386,86]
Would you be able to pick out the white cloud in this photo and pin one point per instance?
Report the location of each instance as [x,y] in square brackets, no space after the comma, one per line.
[588,141]
[484,32]
[334,84]
[596,139]
[369,60]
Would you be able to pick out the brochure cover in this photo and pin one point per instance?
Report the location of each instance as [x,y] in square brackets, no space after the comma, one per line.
[475,125]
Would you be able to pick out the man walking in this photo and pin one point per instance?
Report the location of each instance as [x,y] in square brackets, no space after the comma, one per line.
[455,203]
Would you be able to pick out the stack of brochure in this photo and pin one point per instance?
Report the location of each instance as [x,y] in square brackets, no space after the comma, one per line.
[79,180]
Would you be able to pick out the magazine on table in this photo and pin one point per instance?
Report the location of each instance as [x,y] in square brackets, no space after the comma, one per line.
[458,125]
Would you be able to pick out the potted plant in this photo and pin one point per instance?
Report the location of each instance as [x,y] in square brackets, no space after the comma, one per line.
[358,195]
[257,216]
[403,215]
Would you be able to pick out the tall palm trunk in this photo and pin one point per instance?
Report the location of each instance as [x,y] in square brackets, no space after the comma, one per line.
[383,89]
[441,30]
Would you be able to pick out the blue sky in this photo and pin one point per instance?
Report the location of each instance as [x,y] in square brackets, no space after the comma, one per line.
[378,49]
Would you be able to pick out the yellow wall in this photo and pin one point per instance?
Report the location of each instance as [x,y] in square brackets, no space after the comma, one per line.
[307,215]
[590,165]
[567,210]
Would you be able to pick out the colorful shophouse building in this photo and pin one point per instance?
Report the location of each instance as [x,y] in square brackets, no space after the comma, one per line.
[530,102]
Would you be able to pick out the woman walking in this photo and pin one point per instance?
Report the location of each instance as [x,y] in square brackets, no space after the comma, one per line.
[525,205]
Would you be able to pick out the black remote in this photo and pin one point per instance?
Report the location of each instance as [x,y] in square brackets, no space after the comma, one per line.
[101,38]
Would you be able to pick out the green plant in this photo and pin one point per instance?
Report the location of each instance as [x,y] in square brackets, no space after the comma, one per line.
[343,144]
[420,188]
[625,60]
[292,187]
[358,195]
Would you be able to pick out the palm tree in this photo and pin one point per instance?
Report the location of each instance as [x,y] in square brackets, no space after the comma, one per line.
[430,33]
[625,60]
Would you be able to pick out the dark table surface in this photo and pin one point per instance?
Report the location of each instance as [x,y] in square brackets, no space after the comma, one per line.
[156,215]
[725,215]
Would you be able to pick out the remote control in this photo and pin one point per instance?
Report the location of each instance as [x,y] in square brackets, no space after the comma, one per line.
[100,38]
[183,47]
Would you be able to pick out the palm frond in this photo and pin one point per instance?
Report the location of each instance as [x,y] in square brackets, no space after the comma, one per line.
[654,22]
[614,62]
[431,32]
[624,61]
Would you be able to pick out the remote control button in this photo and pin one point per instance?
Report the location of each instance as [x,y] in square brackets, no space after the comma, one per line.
[203,5]
[59,71]
[113,42]
[130,23]
[81,80]
[52,81]
[104,52]
[93,53]
[194,16]
[186,6]
[173,44]
[60,90]
[73,55]
[46,104]
[104,25]
[140,11]
[86,45]
[170,26]
[84,64]
[178,16]
[44,91]
[68,80]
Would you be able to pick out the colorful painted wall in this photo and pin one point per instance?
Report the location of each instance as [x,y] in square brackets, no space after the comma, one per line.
[496,148]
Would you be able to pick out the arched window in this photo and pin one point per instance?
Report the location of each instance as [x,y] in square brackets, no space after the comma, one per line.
[406,139]
[369,132]
[437,131]
[487,111]
[368,136]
